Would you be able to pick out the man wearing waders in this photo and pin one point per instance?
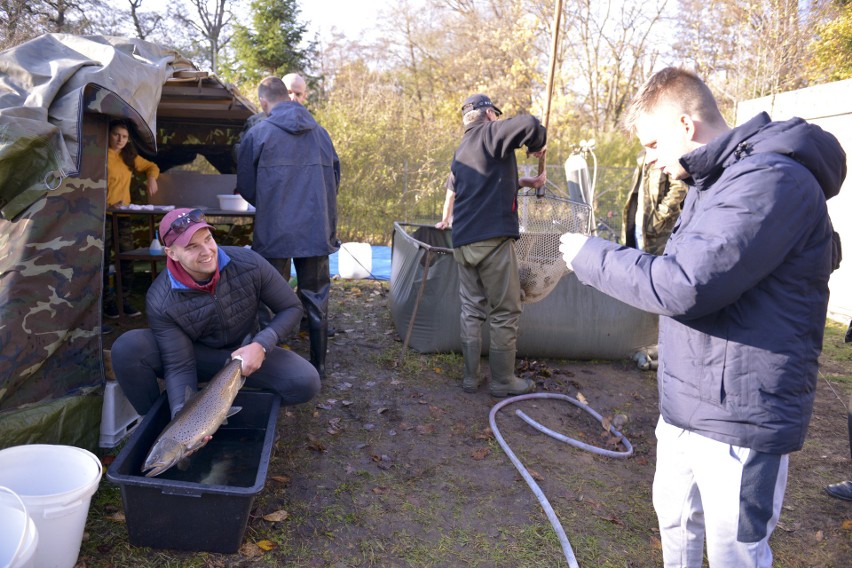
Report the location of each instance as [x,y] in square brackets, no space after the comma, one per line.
[482,207]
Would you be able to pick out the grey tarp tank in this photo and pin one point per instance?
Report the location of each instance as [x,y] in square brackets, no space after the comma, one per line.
[573,321]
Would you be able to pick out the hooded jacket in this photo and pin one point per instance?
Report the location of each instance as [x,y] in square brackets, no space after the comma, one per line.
[288,169]
[742,286]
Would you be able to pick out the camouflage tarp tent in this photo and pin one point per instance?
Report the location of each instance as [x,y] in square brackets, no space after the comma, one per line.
[57,95]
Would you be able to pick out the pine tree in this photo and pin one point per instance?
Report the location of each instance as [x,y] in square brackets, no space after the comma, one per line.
[273,44]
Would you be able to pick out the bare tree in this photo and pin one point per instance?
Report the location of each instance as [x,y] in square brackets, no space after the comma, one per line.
[23,20]
[144,24]
[608,49]
[214,17]
[17,22]
[748,48]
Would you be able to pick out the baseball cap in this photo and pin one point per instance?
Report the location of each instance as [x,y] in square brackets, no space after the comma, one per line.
[474,102]
[178,226]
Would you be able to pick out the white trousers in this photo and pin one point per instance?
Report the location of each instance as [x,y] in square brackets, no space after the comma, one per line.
[729,495]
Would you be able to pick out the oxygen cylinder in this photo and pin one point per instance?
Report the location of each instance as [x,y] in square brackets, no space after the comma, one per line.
[579,181]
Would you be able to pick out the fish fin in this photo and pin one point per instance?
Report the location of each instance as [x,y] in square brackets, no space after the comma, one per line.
[233,410]
[189,394]
[183,464]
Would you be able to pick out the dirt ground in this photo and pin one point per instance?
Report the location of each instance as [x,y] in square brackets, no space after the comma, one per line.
[394,465]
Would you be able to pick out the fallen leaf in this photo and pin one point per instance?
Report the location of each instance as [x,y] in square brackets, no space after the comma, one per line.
[266,545]
[606,423]
[847,525]
[426,429]
[117,517]
[277,516]
[436,411]
[324,406]
[382,410]
[819,536]
[438,370]
[535,475]
[346,403]
[582,399]
[613,520]
[656,544]
[380,490]
[481,454]
[251,550]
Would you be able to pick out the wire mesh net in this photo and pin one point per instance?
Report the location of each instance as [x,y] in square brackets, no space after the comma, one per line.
[542,221]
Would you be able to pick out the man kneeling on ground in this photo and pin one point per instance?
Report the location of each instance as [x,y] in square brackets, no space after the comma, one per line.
[202,312]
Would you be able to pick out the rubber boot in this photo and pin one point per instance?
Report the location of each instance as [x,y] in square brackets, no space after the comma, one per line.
[316,304]
[503,380]
[472,352]
[318,335]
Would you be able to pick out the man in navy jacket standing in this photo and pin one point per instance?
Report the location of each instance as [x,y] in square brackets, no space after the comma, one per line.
[482,207]
[288,169]
[742,291]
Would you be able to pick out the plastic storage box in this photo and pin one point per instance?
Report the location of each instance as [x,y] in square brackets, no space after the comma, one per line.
[206,507]
[118,418]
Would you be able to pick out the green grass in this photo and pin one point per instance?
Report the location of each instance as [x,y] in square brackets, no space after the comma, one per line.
[833,345]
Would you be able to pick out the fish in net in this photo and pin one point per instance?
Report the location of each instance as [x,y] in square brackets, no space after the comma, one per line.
[542,221]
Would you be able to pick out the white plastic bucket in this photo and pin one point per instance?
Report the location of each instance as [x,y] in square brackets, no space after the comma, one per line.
[228,202]
[56,484]
[355,260]
[19,536]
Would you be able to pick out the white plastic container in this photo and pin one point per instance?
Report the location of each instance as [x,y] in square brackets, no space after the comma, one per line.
[156,247]
[56,484]
[230,202]
[355,260]
[19,536]
[118,417]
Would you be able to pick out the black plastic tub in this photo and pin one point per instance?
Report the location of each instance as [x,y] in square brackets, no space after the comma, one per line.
[206,507]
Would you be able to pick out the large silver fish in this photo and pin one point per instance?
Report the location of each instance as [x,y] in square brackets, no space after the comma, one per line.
[201,416]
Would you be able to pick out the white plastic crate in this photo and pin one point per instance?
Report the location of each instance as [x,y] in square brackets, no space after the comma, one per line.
[118,417]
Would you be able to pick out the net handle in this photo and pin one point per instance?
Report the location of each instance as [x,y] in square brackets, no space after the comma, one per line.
[554,45]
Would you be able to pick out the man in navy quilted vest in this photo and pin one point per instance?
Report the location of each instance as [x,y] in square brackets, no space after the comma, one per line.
[202,311]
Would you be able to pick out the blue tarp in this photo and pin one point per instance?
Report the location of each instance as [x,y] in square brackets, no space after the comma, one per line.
[381,264]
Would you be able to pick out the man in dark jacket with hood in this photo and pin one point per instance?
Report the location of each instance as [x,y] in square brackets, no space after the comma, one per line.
[742,291]
[288,169]
[202,311]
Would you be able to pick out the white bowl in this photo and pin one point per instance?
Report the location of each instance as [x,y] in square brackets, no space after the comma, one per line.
[232,203]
